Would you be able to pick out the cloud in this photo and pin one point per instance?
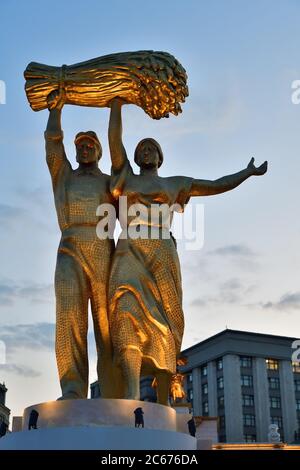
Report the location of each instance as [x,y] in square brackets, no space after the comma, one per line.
[38,212]
[217,113]
[239,254]
[200,302]
[232,285]
[231,292]
[34,336]
[40,196]
[289,301]
[22,370]
[35,293]
[234,250]
[7,293]
[9,213]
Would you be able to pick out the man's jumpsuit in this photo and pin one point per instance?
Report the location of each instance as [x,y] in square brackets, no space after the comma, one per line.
[82,270]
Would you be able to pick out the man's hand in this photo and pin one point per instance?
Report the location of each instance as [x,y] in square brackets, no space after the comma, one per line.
[257,171]
[56,99]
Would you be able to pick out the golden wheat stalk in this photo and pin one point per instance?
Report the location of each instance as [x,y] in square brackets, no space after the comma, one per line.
[155,81]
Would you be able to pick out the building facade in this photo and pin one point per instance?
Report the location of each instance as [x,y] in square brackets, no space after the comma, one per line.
[148,393]
[249,381]
[4,411]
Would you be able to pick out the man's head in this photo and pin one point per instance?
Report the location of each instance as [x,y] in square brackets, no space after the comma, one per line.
[148,154]
[88,147]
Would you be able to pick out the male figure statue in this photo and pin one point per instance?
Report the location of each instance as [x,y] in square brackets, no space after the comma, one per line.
[83,260]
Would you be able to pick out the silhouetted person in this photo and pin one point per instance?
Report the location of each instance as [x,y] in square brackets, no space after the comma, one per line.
[192,427]
[139,418]
[3,429]
[33,417]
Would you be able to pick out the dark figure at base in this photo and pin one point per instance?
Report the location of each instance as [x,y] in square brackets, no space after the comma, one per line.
[33,420]
[139,418]
[3,429]
[192,427]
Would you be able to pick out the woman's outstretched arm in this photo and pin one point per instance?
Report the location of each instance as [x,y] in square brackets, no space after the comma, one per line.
[226,183]
[117,150]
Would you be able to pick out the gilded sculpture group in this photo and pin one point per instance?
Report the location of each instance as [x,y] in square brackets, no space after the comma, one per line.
[134,289]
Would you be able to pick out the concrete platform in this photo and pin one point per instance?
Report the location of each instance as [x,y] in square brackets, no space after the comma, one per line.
[101,412]
[100,424]
[97,438]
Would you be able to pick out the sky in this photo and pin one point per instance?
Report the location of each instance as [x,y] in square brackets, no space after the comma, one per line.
[241,58]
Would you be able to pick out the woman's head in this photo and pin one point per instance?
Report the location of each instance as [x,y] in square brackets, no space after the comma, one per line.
[148,154]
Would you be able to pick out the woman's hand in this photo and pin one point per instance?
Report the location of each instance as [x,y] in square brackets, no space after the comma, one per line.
[117,101]
[259,170]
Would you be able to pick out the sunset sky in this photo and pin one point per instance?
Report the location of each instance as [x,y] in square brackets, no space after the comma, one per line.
[241,58]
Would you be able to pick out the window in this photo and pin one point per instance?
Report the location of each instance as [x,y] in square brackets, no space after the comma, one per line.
[205,389]
[246,381]
[220,364]
[190,394]
[276,420]
[220,383]
[274,383]
[205,407]
[296,367]
[297,385]
[298,404]
[222,422]
[249,420]
[190,378]
[248,400]
[249,437]
[221,402]
[272,364]
[204,371]
[275,402]
[245,361]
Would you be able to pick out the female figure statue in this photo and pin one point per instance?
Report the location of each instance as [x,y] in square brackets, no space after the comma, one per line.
[145,296]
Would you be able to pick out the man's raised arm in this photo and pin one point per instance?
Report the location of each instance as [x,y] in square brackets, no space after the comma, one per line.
[55,151]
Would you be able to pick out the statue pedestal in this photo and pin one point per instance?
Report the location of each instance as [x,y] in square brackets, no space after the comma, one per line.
[100,424]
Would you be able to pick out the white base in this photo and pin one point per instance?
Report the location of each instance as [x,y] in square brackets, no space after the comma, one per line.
[98,438]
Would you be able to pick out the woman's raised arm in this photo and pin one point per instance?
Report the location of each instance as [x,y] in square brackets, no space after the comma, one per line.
[117,150]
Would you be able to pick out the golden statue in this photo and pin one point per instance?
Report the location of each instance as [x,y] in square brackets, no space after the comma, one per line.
[177,391]
[83,260]
[145,322]
[156,81]
[177,387]
[145,296]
